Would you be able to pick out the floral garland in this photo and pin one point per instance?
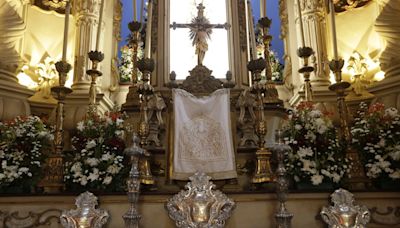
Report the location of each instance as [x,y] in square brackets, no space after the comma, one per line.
[23,141]
[376,134]
[97,162]
[316,156]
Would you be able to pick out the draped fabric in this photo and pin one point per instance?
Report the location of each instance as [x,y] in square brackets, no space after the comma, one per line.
[203,136]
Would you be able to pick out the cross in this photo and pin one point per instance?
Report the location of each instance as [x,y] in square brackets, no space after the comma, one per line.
[200,32]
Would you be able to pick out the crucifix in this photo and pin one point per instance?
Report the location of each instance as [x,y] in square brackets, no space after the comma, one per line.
[200,32]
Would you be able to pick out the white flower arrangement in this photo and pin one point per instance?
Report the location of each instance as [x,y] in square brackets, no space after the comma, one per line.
[22,144]
[316,156]
[97,162]
[125,67]
[276,66]
[376,135]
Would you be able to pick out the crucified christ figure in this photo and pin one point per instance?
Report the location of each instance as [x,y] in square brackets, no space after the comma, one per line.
[200,32]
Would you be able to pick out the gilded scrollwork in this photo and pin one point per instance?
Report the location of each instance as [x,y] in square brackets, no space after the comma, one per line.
[343,5]
[85,214]
[344,213]
[56,5]
[389,217]
[201,81]
[200,205]
[30,219]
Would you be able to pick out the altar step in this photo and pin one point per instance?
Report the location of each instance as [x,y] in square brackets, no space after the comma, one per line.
[252,210]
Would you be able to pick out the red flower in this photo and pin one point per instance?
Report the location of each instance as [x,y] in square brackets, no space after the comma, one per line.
[377,107]
[305,105]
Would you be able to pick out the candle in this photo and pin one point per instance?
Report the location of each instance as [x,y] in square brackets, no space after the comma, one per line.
[141,11]
[333,25]
[99,27]
[147,50]
[300,23]
[66,24]
[263,8]
[252,34]
[134,10]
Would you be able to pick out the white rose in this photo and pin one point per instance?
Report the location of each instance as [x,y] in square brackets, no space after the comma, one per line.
[394,175]
[396,153]
[77,167]
[315,113]
[107,180]
[23,169]
[80,126]
[317,179]
[83,180]
[93,176]
[392,112]
[336,178]
[109,121]
[119,121]
[113,169]
[90,144]
[305,152]
[107,157]
[92,161]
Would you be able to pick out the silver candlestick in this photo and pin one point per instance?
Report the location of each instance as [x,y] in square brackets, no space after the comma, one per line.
[132,216]
[283,216]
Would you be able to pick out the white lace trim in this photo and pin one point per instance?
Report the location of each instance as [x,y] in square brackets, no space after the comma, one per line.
[185,93]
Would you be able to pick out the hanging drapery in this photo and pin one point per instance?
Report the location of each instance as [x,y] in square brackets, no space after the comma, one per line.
[203,136]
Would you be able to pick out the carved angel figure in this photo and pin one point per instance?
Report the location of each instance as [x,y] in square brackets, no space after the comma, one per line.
[156,104]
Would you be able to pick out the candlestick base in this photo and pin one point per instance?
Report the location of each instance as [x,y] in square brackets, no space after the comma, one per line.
[263,171]
[53,181]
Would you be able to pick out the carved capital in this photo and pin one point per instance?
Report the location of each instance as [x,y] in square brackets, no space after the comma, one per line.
[86,8]
[312,5]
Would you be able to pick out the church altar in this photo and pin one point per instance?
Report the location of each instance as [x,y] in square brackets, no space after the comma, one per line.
[199,90]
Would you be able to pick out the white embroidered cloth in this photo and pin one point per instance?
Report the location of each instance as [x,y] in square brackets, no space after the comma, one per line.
[203,136]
